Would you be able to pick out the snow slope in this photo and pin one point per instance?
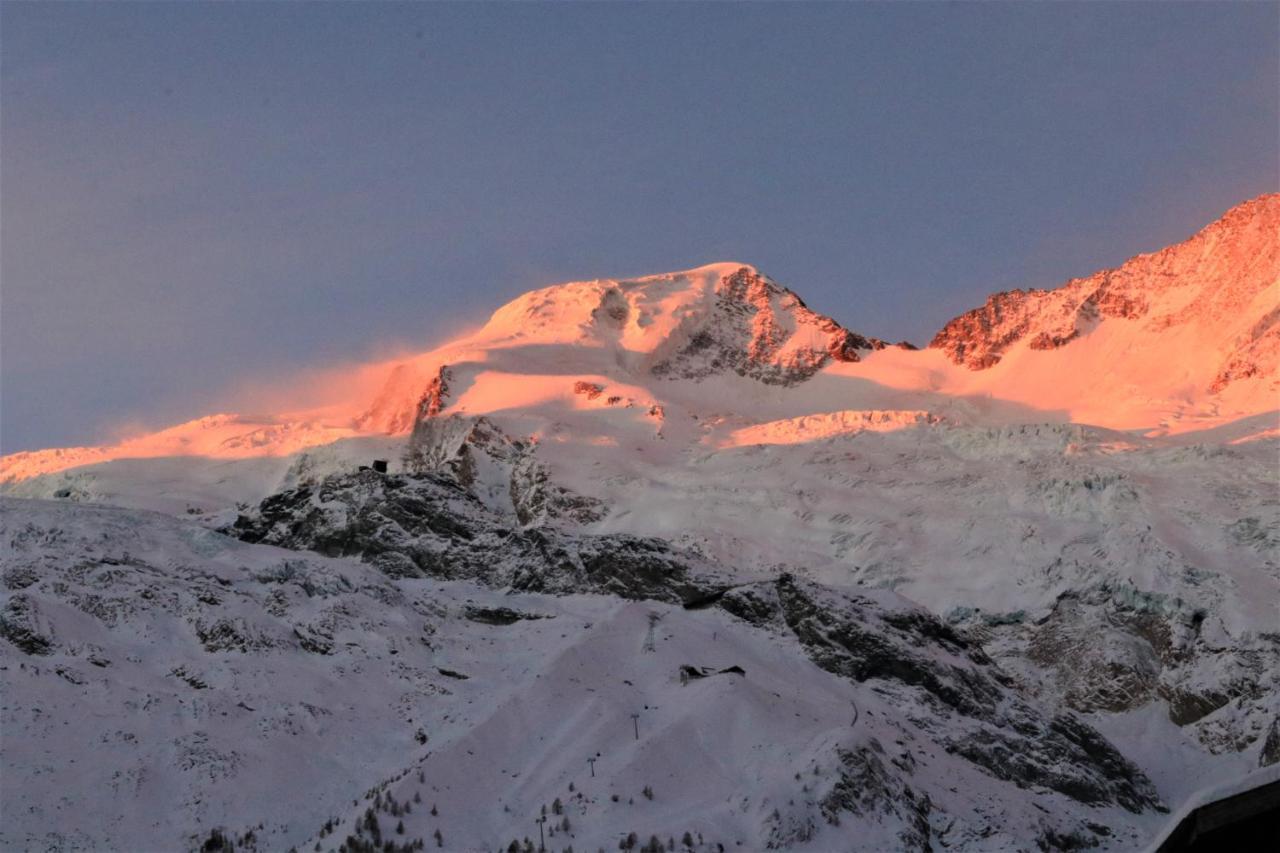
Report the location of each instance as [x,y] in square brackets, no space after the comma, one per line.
[162,681]
[222,436]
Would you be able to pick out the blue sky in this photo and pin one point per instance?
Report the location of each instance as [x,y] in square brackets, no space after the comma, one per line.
[195,195]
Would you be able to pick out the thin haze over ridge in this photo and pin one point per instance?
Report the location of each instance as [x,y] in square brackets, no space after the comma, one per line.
[198,194]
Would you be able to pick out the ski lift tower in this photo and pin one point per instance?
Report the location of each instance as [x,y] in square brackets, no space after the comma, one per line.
[649,638]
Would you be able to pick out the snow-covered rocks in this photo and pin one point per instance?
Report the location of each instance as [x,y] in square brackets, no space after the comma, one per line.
[186,675]
[1214,297]
[760,330]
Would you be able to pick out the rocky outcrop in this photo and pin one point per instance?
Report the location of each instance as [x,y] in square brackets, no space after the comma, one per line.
[1216,278]
[427,525]
[763,331]
[1111,648]
[1047,319]
[458,445]
[409,393]
[20,624]
[590,390]
[503,472]
[987,721]
[1256,355]
[867,788]
[978,338]
[434,397]
[498,615]
[1270,753]
[845,345]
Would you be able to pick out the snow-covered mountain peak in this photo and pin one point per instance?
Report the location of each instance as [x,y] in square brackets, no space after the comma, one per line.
[644,311]
[690,324]
[1208,307]
[633,336]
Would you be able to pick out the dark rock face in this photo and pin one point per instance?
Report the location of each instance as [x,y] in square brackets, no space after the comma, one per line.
[613,309]
[1044,340]
[1270,753]
[230,635]
[1054,758]
[844,345]
[21,625]
[1255,356]
[20,577]
[866,788]
[978,338]
[429,525]
[1186,707]
[1050,318]
[1112,648]
[850,641]
[389,412]
[435,396]
[988,722]
[689,672]
[590,390]
[315,639]
[1237,368]
[1104,664]
[498,615]
[750,327]
[537,498]
[1110,299]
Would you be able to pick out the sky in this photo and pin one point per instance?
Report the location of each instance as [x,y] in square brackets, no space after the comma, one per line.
[196,196]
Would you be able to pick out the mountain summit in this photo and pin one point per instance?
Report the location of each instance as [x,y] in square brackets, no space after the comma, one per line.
[724,319]
[690,324]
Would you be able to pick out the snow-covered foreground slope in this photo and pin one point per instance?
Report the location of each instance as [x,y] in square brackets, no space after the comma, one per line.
[162,680]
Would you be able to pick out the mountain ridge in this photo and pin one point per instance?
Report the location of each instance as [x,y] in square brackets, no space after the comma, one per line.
[978,338]
[1190,330]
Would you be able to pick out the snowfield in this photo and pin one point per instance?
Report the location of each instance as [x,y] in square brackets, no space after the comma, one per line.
[1041,557]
